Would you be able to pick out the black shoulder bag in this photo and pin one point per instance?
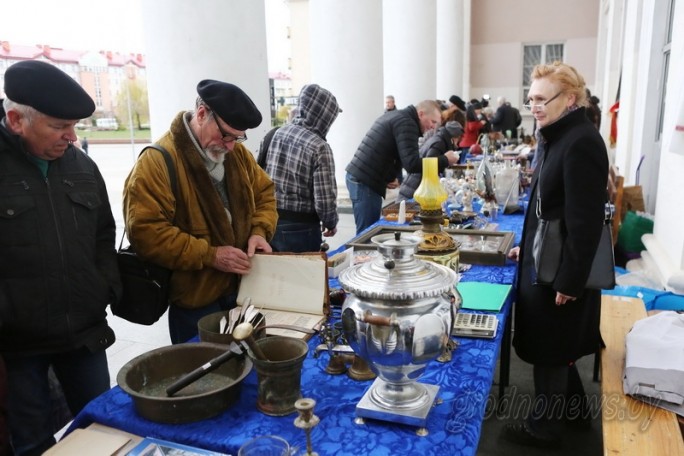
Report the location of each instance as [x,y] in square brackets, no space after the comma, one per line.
[145,285]
[547,249]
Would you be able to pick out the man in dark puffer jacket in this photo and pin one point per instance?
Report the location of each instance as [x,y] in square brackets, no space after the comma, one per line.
[58,270]
[392,141]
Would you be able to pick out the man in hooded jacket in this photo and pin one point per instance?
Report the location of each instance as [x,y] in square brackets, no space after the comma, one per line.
[301,165]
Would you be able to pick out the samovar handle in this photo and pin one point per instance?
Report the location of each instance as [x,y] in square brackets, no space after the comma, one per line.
[378,320]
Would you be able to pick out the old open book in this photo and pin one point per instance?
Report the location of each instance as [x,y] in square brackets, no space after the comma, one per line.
[289,289]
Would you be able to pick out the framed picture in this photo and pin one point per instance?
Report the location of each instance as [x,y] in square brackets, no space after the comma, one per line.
[475,246]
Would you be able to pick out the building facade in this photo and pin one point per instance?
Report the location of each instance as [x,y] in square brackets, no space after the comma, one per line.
[101,74]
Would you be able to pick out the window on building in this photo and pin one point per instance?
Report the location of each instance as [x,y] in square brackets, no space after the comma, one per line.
[534,54]
[98,91]
[667,47]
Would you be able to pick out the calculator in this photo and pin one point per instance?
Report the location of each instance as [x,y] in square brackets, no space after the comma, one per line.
[475,325]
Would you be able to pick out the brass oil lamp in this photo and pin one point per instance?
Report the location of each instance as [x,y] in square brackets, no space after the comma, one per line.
[436,246]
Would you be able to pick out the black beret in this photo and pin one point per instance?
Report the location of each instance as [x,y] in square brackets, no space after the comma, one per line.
[47,89]
[230,103]
[456,100]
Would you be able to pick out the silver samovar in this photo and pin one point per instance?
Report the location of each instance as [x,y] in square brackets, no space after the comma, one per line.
[398,317]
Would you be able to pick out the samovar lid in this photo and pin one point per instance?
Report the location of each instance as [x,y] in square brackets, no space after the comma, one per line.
[396,274]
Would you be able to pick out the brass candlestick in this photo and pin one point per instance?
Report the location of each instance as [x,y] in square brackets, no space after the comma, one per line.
[306,420]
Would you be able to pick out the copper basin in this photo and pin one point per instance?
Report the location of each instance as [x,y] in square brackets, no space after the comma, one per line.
[146,377]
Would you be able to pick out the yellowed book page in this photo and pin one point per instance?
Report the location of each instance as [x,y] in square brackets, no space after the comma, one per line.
[88,442]
[293,283]
[276,317]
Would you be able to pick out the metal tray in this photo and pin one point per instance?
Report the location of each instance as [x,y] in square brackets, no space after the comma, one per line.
[475,246]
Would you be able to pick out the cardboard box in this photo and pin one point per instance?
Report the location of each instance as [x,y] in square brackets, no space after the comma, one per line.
[339,262]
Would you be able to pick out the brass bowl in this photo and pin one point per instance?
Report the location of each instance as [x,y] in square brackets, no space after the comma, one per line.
[146,377]
[209,328]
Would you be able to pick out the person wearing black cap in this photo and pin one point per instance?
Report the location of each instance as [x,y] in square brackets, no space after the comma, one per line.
[224,212]
[59,270]
[444,140]
[454,111]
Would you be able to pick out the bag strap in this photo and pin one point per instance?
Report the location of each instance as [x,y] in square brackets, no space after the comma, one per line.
[172,175]
[169,165]
[538,209]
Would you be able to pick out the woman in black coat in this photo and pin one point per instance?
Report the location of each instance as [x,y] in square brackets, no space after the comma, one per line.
[556,325]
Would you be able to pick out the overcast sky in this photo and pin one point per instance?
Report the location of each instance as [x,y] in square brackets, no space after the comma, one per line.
[114,25]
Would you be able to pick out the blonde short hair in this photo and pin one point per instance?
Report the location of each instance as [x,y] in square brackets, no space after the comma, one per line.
[566,76]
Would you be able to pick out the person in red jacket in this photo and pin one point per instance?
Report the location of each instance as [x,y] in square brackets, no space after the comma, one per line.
[474,123]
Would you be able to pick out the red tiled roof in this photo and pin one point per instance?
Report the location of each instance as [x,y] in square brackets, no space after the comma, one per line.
[279,75]
[19,52]
[118,59]
[22,52]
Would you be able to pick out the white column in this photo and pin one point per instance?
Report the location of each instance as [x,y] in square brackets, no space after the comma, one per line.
[346,58]
[669,212]
[451,28]
[409,45]
[608,62]
[186,42]
[299,40]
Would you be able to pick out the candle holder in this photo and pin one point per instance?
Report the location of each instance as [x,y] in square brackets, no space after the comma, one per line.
[307,421]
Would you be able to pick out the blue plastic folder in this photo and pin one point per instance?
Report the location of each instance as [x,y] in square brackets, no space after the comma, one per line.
[483,296]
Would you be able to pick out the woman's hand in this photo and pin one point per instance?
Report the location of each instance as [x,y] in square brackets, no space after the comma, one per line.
[563,299]
[514,253]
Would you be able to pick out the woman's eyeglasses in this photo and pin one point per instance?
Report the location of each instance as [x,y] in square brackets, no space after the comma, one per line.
[227,137]
[539,107]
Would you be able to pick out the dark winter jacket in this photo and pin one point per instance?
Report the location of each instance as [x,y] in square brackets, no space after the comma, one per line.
[391,140]
[58,269]
[506,118]
[435,146]
[572,184]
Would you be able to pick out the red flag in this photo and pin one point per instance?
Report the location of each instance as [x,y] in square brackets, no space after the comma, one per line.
[613,123]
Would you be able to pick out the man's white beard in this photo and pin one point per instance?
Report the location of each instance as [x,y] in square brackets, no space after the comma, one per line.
[216,153]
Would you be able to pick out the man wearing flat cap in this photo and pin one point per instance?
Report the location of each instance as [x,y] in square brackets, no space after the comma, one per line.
[224,212]
[58,268]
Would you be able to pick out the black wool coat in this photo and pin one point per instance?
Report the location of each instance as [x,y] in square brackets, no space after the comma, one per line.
[572,183]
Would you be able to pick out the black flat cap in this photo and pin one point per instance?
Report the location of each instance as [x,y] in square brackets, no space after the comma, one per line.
[456,100]
[230,103]
[47,89]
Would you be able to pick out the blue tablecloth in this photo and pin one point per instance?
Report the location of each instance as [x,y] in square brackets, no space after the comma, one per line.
[454,424]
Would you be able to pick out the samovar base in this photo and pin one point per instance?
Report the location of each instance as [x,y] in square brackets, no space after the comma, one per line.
[412,416]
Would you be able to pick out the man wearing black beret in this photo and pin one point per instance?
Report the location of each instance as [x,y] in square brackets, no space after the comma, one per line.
[224,212]
[58,268]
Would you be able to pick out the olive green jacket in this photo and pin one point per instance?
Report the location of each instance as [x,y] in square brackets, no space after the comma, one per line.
[182,233]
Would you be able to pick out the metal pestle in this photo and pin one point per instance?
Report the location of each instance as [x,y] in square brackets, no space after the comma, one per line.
[244,331]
